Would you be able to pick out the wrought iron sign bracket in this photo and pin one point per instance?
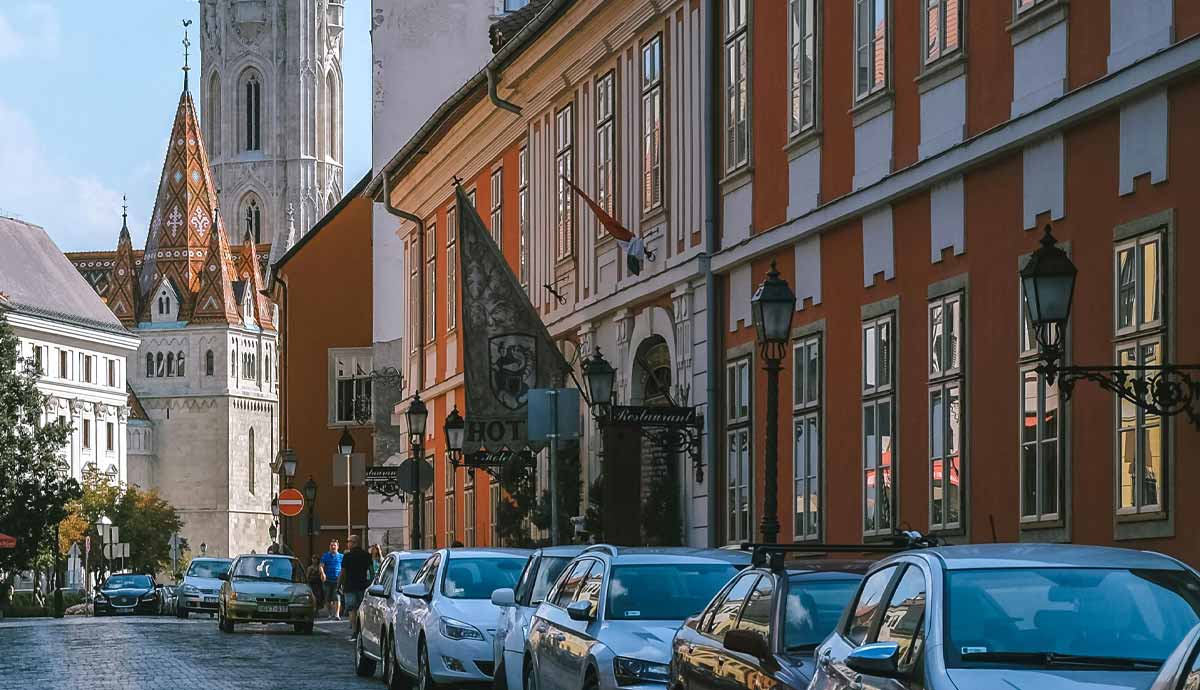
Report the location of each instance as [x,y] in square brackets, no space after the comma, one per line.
[494,462]
[1165,390]
[671,430]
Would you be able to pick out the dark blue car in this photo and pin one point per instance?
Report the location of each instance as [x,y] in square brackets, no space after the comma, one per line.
[126,593]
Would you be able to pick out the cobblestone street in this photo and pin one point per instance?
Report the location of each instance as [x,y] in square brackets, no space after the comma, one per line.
[146,653]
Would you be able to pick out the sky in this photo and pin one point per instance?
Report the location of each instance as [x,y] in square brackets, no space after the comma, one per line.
[88,92]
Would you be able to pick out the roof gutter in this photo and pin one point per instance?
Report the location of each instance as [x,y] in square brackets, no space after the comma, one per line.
[489,75]
[420,223]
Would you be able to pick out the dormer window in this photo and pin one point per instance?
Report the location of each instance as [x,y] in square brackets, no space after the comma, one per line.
[248,307]
[166,302]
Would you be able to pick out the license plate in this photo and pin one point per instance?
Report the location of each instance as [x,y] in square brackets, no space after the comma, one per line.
[273,609]
[210,600]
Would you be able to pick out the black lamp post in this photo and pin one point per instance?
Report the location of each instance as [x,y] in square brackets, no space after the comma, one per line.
[600,377]
[1049,282]
[773,306]
[310,499]
[346,448]
[417,415]
[288,467]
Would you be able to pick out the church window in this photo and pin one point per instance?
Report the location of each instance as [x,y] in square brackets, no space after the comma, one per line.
[252,220]
[170,364]
[179,363]
[252,106]
[333,118]
[209,364]
[162,304]
[250,463]
[160,365]
[213,116]
[233,368]
[149,365]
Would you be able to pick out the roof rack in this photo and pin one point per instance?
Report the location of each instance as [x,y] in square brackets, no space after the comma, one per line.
[612,550]
[772,554]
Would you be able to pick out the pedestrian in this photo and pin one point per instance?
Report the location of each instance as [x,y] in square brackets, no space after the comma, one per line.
[376,560]
[313,572]
[355,577]
[331,568]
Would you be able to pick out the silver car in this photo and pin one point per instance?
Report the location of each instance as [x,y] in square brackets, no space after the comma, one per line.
[517,606]
[1011,617]
[378,609]
[201,586]
[609,620]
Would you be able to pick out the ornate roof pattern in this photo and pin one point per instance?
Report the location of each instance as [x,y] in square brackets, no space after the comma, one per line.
[123,297]
[249,272]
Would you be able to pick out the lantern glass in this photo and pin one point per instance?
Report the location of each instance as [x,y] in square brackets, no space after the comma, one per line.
[417,416]
[346,442]
[773,306]
[455,428]
[600,376]
[289,463]
[310,490]
[1048,280]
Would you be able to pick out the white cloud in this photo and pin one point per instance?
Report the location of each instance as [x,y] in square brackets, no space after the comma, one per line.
[79,211]
[32,30]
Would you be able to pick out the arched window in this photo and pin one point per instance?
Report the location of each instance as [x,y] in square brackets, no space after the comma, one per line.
[252,220]
[250,463]
[149,365]
[252,107]
[333,117]
[160,365]
[170,364]
[213,115]
[179,363]
[209,364]
[162,305]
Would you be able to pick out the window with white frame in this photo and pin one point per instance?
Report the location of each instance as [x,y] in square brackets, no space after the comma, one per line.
[112,372]
[414,293]
[88,373]
[606,144]
[879,422]
[806,438]
[497,215]
[427,525]
[430,282]
[451,534]
[564,169]
[870,47]
[469,511]
[39,358]
[1024,5]
[802,37]
[737,110]
[451,268]
[110,437]
[946,411]
[1140,337]
[350,384]
[652,124]
[64,364]
[86,436]
[738,479]
[942,19]
[523,216]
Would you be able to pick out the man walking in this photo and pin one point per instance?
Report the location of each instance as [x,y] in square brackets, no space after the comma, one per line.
[331,568]
[355,577]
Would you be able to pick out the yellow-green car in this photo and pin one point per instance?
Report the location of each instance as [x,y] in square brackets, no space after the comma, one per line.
[266,589]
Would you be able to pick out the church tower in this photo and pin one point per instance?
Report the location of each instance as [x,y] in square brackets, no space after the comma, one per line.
[270,86]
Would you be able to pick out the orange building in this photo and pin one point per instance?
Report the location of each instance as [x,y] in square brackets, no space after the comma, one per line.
[323,287]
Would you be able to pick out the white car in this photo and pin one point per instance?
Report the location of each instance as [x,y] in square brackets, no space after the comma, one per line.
[198,593]
[517,607]
[444,622]
[375,614]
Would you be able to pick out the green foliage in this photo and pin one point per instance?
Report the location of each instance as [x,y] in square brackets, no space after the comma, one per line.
[518,499]
[34,488]
[145,521]
[570,488]
[661,517]
[594,518]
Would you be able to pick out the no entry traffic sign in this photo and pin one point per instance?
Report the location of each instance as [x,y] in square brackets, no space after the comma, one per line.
[291,502]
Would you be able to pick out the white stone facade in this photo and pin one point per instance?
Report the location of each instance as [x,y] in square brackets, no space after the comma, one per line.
[270,94]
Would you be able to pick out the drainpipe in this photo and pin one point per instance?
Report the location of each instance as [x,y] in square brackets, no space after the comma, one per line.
[493,81]
[712,322]
[414,218]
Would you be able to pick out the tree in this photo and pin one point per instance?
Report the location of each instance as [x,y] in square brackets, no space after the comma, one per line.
[569,478]
[35,484]
[518,498]
[146,522]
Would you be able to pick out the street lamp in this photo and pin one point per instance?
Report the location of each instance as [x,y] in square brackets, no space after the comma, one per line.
[773,306]
[455,428]
[103,525]
[599,375]
[417,415]
[289,465]
[346,448]
[1048,279]
[310,500]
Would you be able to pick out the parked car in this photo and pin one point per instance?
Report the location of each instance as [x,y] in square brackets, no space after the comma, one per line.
[265,589]
[125,593]
[1047,616]
[1182,669]
[166,599]
[609,619]
[378,606]
[761,629]
[443,625]
[201,586]
[517,606]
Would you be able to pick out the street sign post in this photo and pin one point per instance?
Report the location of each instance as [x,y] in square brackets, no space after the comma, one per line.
[405,473]
[291,502]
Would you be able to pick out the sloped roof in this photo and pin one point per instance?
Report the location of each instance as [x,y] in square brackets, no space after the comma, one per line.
[136,411]
[39,279]
[511,24]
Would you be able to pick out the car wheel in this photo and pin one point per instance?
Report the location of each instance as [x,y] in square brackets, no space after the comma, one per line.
[393,677]
[224,623]
[424,676]
[500,677]
[590,682]
[363,665]
[530,677]
[303,628]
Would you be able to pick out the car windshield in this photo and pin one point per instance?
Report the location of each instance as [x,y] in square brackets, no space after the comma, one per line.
[1044,615]
[813,610]
[477,578]
[209,569]
[549,568]
[667,591]
[268,568]
[128,582]
[406,569]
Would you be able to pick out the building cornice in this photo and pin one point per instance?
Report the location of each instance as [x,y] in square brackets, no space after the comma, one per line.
[85,335]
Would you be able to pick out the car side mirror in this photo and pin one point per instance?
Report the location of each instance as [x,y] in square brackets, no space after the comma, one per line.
[377,591]
[416,590]
[876,659]
[580,610]
[223,576]
[747,642]
[504,597]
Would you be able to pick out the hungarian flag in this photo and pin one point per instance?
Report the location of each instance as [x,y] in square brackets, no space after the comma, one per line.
[634,247]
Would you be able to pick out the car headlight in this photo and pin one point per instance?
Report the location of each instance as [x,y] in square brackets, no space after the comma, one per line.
[149,596]
[458,630]
[190,589]
[100,597]
[302,599]
[632,671]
